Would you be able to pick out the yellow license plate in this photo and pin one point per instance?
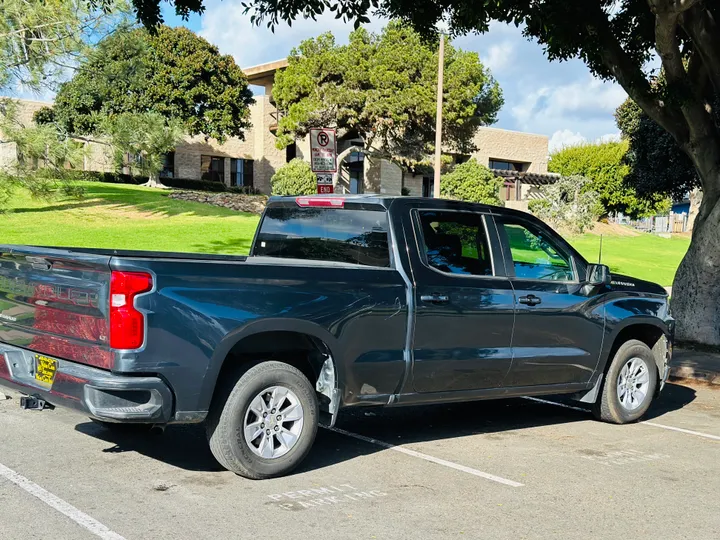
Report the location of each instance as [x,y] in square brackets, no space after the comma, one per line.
[45,369]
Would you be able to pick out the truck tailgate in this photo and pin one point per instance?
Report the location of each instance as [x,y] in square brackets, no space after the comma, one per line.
[55,302]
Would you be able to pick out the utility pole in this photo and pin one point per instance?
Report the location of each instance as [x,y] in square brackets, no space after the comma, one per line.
[438,117]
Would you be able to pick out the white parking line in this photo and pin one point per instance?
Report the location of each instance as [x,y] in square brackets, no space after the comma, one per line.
[681,430]
[65,508]
[431,459]
[653,424]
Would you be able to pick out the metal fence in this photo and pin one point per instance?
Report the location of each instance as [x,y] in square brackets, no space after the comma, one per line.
[672,223]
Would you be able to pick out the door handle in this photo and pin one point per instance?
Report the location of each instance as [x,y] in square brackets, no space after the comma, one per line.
[530,300]
[435,298]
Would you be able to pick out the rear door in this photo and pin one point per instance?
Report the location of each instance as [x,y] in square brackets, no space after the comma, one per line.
[464,313]
[558,334]
[55,302]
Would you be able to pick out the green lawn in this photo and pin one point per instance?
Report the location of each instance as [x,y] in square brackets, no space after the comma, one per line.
[132,217]
[645,256]
[126,217]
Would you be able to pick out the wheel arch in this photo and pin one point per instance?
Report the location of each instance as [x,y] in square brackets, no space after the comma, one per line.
[652,332]
[248,344]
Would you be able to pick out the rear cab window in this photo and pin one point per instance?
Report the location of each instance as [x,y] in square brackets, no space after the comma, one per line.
[354,234]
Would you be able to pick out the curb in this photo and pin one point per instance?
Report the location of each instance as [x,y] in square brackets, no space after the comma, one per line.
[687,372]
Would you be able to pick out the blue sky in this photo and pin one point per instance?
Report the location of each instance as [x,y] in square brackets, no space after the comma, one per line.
[559,99]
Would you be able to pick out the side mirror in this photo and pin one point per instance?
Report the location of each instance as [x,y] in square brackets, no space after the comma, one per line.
[597,275]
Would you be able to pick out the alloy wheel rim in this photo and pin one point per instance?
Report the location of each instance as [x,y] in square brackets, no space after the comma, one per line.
[633,384]
[273,422]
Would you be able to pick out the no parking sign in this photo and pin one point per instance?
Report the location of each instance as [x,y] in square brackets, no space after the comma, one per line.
[323,152]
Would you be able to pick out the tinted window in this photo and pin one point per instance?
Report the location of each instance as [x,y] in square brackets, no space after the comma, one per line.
[456,243]
[535,255]
[325,234]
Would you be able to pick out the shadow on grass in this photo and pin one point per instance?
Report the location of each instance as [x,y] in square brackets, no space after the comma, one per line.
[232,246]
[125,197]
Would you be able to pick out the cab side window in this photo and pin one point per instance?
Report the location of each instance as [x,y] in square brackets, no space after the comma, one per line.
[455,242]
[535,255]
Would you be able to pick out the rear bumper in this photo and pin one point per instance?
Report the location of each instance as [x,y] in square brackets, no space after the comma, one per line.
[97,393]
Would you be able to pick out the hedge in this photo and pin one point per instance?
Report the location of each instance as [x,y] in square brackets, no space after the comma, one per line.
[180,183]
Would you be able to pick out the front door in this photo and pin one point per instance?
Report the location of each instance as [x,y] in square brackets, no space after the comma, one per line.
[558,329]
[464,314]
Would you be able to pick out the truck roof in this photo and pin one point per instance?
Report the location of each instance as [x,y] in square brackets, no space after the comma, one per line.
[387,200]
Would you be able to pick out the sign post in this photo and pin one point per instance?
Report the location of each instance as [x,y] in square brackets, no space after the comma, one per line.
[323,157]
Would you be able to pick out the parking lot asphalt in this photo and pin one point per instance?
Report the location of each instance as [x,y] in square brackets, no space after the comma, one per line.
[516,468]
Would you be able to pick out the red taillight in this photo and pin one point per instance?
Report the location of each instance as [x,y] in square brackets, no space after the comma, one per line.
[127,324]
[330,202]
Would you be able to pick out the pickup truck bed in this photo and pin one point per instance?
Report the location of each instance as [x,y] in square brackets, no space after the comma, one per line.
[350,301]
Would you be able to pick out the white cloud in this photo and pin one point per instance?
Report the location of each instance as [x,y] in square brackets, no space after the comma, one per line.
[562,138]
[583,108]
[500,56]
[225,25]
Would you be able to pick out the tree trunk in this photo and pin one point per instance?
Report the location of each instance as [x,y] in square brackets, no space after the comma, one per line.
[154,181]
[696,291]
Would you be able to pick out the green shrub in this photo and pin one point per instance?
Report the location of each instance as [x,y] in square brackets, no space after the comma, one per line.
[471,182]
[294,178]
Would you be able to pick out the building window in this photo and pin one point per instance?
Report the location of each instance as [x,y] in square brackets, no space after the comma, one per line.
[356,171]
[506,165]
[168,169]
[212,168]
[428,189]
[290,152]
[241,172]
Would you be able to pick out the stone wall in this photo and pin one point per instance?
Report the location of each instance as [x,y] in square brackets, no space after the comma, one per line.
[254,204]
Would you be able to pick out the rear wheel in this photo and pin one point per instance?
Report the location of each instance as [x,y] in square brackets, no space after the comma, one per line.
[629,384]
[265,423]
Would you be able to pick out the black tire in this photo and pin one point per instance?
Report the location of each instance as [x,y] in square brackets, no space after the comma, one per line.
[225,423]
[608,406]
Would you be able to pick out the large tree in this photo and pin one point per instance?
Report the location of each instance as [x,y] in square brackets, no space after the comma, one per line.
[170,71]
[381,88]
[603,163]
[40,40]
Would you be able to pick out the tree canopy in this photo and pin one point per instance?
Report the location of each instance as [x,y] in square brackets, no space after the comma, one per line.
[382,88]
[41,39]
[171,72]
[656,164]
[603,164]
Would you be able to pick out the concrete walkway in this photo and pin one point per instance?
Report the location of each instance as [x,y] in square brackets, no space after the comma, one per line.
[698,365]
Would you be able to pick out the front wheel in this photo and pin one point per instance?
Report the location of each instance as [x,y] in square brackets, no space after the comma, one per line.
[267,424]
[629,384]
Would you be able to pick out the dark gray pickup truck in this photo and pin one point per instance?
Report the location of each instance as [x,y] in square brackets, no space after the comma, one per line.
[343,302]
